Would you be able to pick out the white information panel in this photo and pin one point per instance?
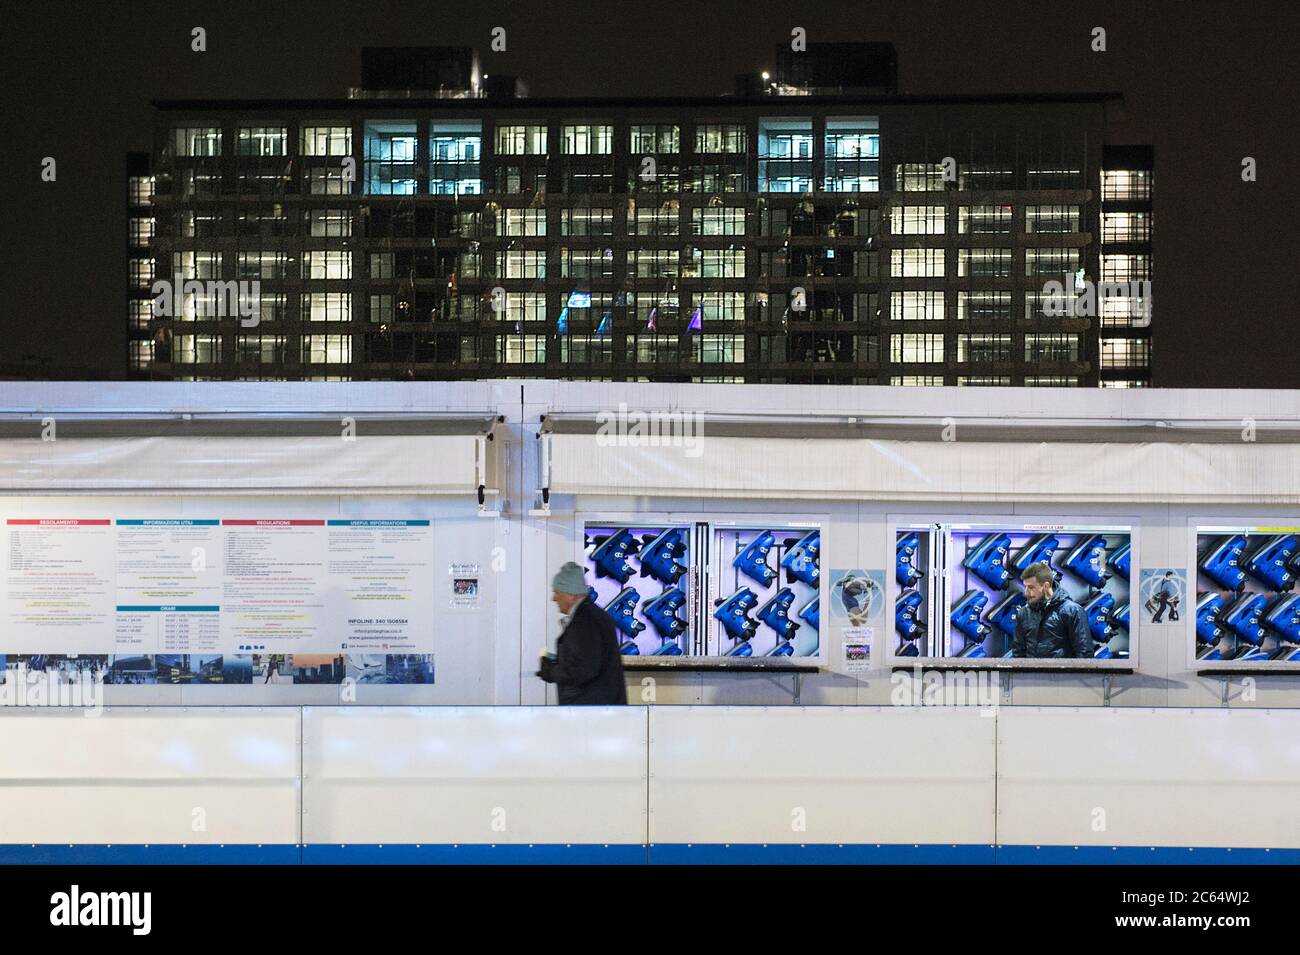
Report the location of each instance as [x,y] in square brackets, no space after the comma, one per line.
[217,585]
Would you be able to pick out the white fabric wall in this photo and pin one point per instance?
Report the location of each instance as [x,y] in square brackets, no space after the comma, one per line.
[370,464]
[1013,473]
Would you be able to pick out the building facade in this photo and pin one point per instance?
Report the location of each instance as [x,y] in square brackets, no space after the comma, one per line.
[856,238]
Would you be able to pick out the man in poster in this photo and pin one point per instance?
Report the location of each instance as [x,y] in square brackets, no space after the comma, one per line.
[587,667]
[1051,624]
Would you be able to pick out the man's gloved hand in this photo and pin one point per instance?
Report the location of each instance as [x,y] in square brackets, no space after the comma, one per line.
[544,659]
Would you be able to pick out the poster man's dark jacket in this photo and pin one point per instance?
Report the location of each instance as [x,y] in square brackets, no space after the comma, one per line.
[587,667]
[1060,629]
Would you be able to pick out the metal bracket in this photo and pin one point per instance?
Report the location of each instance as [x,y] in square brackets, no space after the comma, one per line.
[481,474]
[544,473]
[798,686]
[1106,682]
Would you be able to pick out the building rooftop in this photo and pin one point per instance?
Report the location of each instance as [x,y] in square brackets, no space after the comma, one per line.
[687,102]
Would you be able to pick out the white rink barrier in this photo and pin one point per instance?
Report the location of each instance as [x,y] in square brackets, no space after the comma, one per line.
[649,784]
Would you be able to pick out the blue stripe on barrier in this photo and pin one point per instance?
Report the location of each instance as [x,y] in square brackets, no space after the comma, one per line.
[773,853]
[151,854]
[1143,855]
[633,854]
[576,853]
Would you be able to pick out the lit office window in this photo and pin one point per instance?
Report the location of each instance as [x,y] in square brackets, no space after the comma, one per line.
[1124,311]
[852,155]
[917,381]
[381,309]
[1049,220]
[390,158]
[785,155]
[327,181]
[717,263]
[1123,184]
[1051,262]
[916,349]
[665,307]
[587,263]
[1126,227]
[327,140]
[521,349]
[722,306]
[1051,381]
[197,141]
[660,220]
[521,141]
[595,223]
[586,349]
[717,220]
[329,264]
[721,138]
[328,223]
[141,353]
[984,306]
[586,140]
[262,141]
[140,312]
[454,159]
[916,263]
[984,381]
[653,263]
[918,177]
[917,220]
[984,263]
[655,139]
[327,307]
[521,264]
[916,306]
[1125,383]
[1125,353]
[200,225]
[1125,268]
[983,348]
[983,177]
[263,265]
[715,177]
[327,349]
[718,349]
[196,265]
[140,230]
[140,190]
[1048,347]
[260,349]
[524,307]
[985,220]
[196,349]
[523,222]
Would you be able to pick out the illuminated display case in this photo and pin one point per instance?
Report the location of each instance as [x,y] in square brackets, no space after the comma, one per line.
[957,588]
[1247,610]
[702,587]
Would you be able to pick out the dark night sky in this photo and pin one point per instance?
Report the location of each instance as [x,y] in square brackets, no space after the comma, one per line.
[1205,82]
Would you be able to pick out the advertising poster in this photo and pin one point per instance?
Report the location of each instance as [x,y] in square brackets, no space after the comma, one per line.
[215,599]
[858,596]
[1163,592]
